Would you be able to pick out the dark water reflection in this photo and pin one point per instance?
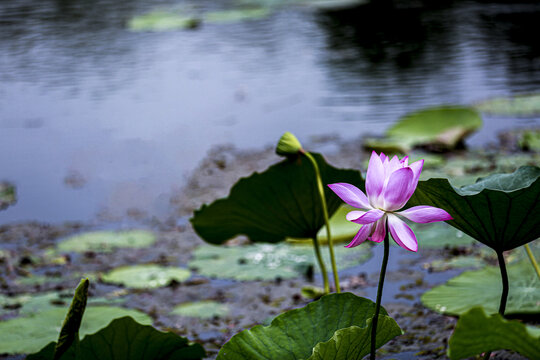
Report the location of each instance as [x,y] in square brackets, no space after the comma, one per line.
[94,116]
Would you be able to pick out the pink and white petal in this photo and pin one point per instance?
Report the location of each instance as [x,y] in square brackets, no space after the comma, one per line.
[380,231]
[416,167]
[383,157]
[369,217]
[353,215]
[374,178]
[425,214]
[405,161]
[360,236]
[393,165]
[396,193]
[351,195]
[402,233]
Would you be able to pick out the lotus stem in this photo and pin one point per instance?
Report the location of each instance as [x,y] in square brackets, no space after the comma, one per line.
[533,260]
[379,297]
[504,295]
[321,264]
[326,220]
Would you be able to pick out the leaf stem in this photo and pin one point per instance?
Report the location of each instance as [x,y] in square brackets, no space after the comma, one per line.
[533,260]
[326,220]
[321,264]
[379,297]
[504,295]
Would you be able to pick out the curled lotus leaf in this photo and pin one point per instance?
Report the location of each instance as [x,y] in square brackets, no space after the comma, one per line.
[501,211]
[280,202]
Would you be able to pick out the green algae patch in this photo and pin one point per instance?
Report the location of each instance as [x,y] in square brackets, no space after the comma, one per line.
[106,241]
[146,276]
[201,310]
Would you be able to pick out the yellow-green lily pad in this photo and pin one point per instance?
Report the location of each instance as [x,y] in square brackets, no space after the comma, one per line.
[268,261]
[106,241]
[29,334]
[8,195]
[163,21]
[146,276]
[201,309]
[519,105]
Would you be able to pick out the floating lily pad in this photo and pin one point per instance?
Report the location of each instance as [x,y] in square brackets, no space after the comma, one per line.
[530,140]
[146,276]
[476,333]
[519,105]
[106,241]
[163,21]
[29,334]
[457,262]
[439,235]
[334,327]
[281,202]
[267,261]
[201,309]
[125,339]
[501,211]
[236,15]
[483,288]
[8,195]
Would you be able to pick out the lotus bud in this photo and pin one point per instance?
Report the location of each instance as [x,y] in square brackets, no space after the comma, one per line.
[288,145]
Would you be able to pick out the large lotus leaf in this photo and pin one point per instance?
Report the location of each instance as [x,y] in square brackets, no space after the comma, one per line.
[439,235]
[107,241]
[355,342]
[7,195]
[281,202]
[483,288]
[519,105]
[267,261]
[445,126]
[125,339]
[146,276]
[501,210]
[476,333]
[29,334]
[295,334]
[201,309]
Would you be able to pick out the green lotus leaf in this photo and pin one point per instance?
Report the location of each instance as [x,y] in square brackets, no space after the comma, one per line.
[476,333]
[313,331]
[281,202]
[163,21]
[29,334]
[146,276]
[443,127]
[268,261]
[125,339]
[8,195]
[483,288]
[501,211]
[530,140]
[106,241]
[201,309]
[439,235]
[354,342]
[519,105]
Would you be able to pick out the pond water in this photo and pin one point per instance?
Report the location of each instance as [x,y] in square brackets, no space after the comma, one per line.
[94,116]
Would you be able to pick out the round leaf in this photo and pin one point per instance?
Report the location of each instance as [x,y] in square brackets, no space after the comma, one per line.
[201,309]
[29,334]
[484,288]
[519,105]
[281,202]
[107,241]
[267,261]
[146,276]
[295,334]
[501,210]
[476,333]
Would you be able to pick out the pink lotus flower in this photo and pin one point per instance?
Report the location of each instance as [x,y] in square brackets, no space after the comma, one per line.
[390,183]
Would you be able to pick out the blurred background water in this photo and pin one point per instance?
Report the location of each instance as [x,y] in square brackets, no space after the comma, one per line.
[93,115]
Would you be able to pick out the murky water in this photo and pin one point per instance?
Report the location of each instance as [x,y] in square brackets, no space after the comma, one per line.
[94,116]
